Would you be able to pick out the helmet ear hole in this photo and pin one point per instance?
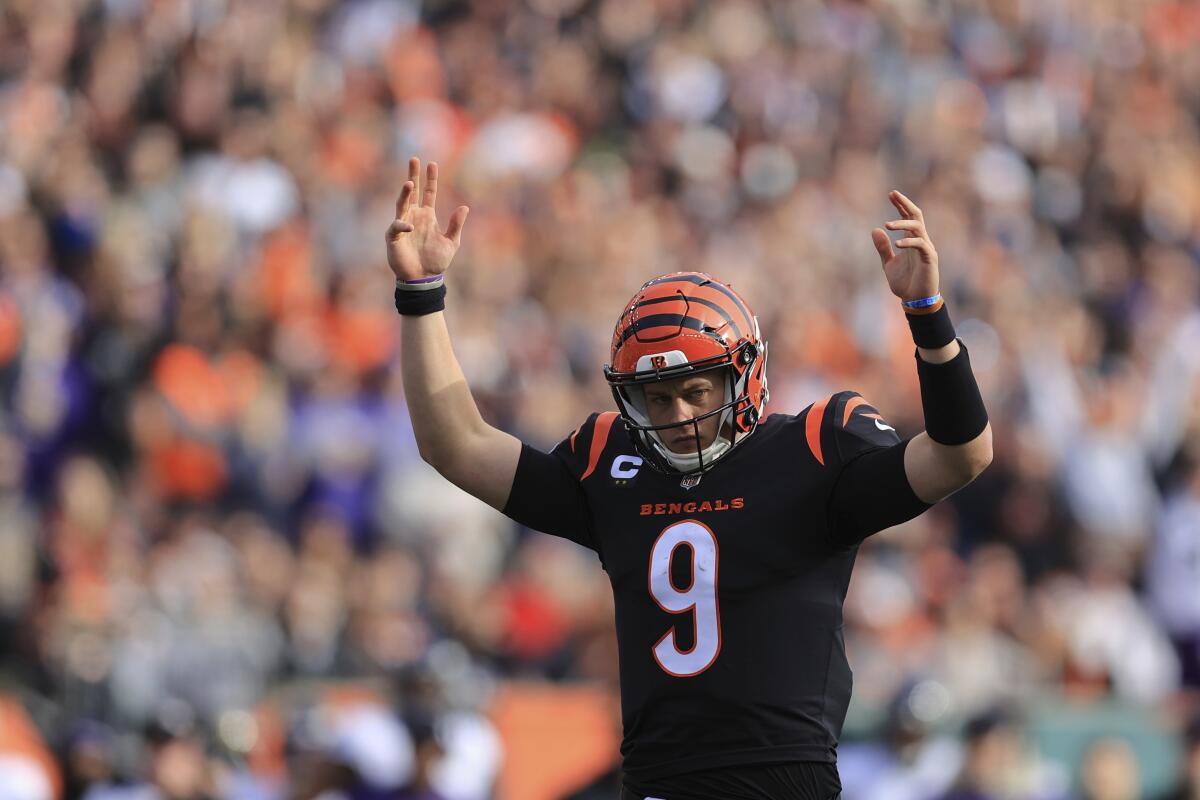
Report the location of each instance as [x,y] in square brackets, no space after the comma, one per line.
[747,419]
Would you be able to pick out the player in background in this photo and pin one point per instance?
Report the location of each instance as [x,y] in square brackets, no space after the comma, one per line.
[728,535]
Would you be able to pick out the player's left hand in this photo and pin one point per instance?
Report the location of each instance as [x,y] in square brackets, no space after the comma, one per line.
[912,270]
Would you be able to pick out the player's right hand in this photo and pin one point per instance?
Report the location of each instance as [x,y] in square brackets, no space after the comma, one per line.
[415,247]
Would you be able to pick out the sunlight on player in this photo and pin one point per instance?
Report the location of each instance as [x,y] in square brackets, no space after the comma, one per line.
[729,562]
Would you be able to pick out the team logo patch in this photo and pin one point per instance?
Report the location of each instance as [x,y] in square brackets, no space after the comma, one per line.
[625,469]
[658,362]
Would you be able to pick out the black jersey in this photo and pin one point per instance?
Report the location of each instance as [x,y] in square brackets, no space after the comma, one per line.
[729,593]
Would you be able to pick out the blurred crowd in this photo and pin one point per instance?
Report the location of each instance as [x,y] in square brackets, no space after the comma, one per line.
[226,573]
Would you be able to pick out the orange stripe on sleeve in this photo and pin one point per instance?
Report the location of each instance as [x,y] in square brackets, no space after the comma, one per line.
[812,429]
[851,404]
[604,424]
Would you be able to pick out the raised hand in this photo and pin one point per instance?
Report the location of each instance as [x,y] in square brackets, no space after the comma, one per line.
[416,249]
[911,271]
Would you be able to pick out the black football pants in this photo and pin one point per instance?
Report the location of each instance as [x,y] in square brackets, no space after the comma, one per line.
[628,795]
[806,780]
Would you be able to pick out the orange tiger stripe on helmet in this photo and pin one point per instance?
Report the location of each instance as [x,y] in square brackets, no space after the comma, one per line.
[707,316]
[712,290]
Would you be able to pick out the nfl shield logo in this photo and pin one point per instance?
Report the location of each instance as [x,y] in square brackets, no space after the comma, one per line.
[690,481]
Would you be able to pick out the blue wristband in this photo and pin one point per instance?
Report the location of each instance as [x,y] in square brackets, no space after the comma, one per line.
[924,302]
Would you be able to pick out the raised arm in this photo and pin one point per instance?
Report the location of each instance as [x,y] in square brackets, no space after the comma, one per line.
[957,443]
[451,435]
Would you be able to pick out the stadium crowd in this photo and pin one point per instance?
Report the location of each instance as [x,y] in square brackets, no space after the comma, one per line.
[225,571]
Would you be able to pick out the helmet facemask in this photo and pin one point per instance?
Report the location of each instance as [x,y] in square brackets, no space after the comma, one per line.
[737,412]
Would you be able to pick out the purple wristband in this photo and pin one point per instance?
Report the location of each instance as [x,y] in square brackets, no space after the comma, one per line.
[421,284]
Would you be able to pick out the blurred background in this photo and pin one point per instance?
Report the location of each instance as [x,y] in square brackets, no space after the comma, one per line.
[224,571]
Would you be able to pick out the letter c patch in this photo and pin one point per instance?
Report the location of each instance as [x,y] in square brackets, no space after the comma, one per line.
[625,467]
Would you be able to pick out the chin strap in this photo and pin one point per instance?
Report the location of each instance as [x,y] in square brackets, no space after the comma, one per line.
[686,462]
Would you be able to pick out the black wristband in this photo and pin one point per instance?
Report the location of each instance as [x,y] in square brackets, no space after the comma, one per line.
[425,301]
[931,331]
[954,412]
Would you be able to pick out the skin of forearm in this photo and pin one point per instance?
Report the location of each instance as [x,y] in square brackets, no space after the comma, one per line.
[941,355]
[444,415]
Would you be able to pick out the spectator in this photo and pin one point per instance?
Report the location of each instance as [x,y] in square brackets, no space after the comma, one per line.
[1110,771]
[1187,786]
[209,493]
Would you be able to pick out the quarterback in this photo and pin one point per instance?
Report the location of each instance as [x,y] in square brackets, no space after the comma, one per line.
[728,535]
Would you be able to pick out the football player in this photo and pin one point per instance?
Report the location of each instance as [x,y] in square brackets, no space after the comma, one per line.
[728,535]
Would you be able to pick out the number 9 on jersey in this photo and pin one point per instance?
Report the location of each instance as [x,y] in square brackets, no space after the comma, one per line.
[700,598]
